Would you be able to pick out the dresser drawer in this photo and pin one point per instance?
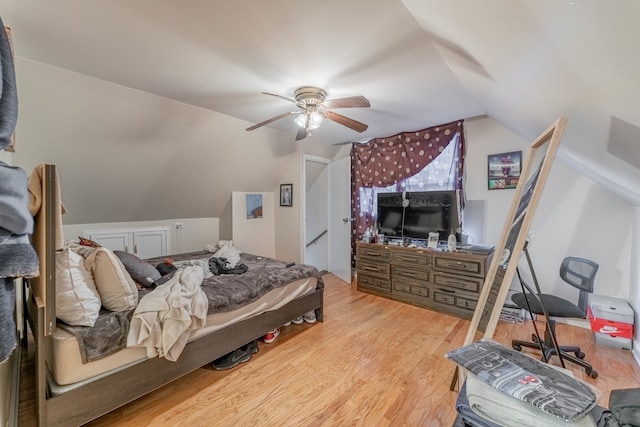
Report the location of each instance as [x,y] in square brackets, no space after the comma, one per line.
[414,287]
[459,265]
[415,258]
[374,252]
[372,267]
[471,284]
[374,282]
[410,273]
[469,304]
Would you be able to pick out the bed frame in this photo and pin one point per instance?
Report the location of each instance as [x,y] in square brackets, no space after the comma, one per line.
[94,398]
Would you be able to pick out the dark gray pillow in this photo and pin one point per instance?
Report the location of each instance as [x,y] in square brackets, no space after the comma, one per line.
[139,270]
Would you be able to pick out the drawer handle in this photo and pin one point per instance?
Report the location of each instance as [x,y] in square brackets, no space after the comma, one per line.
[449,291]
[407,274]
[370,268]
[457,265]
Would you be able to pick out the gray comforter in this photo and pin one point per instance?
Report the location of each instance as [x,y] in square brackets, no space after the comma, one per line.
[224,293]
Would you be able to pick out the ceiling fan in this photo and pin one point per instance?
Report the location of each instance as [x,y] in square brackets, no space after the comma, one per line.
[314,109]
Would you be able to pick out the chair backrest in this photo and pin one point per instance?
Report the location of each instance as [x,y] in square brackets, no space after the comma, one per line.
[579,273]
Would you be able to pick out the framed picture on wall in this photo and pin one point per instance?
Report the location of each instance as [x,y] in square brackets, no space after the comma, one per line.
[504,170]
[286,194]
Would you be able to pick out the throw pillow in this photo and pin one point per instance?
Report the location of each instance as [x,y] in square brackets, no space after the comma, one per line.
[77,300]
[117,289]
[140,271]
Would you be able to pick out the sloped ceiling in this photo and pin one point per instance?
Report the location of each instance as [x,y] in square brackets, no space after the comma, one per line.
[421,63]
[527,62]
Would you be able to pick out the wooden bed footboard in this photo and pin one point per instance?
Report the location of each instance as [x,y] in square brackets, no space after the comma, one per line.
[92,399]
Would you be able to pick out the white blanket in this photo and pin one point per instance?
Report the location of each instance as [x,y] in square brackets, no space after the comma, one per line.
[165,317]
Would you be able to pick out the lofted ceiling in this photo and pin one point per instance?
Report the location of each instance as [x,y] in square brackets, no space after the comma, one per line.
[420,63]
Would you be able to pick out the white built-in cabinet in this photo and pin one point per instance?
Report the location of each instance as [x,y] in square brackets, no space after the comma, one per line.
[142,242]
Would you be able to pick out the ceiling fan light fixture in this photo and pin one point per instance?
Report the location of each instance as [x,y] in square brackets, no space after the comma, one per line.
[315,120]
[301,120]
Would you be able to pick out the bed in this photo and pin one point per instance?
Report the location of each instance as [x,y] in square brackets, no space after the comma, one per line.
[70,392]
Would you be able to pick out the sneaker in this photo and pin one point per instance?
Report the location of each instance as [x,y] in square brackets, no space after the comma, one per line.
[271,336]
[236,357]
[309,317]
[297,321]
[288,323]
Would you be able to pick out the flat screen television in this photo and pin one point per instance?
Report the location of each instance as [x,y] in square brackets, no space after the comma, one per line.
[428,211]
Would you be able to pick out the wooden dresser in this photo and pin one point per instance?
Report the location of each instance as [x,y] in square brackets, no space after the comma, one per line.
[448,282]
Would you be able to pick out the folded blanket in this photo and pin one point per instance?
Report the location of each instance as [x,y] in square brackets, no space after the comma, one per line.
[468,415]
[505,410]
[527,379]
[625,406]
[8,91]
[8,337]
[165,316]
[14,200]
[19,259]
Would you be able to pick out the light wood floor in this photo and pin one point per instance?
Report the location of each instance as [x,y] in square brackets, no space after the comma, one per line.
[372,362]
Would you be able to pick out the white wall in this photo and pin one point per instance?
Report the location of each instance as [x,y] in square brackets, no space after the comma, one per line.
[575,216]
[288,219]
[254,235]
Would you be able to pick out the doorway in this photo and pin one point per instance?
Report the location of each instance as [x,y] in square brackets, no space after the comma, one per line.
[326,215]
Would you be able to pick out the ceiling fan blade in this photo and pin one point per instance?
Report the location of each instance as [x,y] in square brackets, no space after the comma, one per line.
[302,133]
[280,96]
[346,121]
[350,102]
[272,119]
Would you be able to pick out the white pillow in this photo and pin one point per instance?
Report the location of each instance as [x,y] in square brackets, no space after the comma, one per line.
[77,300]
[117,289]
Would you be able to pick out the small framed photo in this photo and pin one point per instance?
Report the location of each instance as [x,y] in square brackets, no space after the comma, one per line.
[504,170]
[286,194]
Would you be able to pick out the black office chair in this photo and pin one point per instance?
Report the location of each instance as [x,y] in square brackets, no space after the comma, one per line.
[579,273]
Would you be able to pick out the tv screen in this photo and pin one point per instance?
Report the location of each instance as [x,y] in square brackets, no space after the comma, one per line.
[428,211]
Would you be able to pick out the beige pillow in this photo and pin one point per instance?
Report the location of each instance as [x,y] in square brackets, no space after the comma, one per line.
[117,289]
[77,300]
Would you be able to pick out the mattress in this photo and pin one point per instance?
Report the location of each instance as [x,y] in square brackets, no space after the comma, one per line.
[65,362]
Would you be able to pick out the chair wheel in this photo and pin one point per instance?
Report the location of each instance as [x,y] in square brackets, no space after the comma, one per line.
[517,347]
[593,374]
[580,355]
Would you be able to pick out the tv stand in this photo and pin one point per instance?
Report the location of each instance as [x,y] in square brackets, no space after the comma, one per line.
[447,282]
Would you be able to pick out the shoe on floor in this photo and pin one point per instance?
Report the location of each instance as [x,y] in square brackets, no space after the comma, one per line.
[236,357]
[288,323]
[271,336]
[297,321]
[310,317]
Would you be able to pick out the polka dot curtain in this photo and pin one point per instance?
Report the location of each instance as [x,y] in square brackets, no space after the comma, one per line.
[382,162]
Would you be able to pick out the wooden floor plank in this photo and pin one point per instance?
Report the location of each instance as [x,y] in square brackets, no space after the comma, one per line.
[371,362]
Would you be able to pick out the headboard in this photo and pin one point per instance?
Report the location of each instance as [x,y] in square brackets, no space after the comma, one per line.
[42,287]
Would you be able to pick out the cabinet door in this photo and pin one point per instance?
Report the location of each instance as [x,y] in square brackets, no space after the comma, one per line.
[150,243]
[144,243]
[114,240]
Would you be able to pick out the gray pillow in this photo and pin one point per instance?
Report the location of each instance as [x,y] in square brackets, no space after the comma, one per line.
[139,270]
